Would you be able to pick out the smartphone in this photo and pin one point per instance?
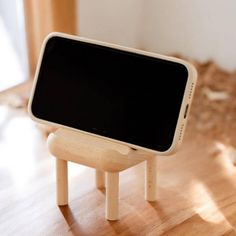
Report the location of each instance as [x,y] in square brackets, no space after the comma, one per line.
[137,98]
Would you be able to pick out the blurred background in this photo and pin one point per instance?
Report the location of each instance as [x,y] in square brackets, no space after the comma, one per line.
[13,47]
[197,30]
[202,176]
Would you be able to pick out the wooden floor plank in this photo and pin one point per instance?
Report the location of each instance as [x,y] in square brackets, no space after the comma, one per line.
[196,191]
[196,187]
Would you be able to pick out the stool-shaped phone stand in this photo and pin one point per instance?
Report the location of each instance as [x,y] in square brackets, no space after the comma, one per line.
[103,155]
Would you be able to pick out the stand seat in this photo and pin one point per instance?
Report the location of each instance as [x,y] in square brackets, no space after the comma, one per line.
[106,157]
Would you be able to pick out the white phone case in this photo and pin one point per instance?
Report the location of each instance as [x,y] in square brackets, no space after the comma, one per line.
[186,103]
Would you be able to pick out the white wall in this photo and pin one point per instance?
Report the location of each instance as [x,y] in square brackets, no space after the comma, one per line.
[197,29]
[110,20]
[13,51]
[12,15]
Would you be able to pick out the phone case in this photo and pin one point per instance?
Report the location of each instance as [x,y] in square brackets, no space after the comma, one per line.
[185,107]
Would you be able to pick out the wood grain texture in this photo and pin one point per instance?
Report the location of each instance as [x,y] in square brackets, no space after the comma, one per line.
[196,191]
[100,179]
[151,179]
[103,155]
[196,187]
[62,182]
[112,195]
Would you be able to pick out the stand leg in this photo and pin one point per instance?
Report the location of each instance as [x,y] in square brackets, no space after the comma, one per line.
[62,182]
[100,179]
[150,179]
[112,195]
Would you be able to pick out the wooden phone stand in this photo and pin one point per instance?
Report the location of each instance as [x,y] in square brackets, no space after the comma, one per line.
[104,156]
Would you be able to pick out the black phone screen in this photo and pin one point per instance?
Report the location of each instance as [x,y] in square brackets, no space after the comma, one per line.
[110,92]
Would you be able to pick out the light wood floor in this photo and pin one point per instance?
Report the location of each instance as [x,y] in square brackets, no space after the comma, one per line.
[196,186]
[196,190]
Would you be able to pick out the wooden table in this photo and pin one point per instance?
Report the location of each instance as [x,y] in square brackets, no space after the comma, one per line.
[196,193]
